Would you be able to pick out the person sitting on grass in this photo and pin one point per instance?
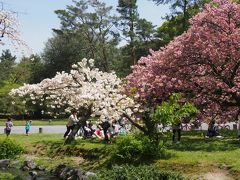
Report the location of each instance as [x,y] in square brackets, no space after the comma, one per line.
[212,130]
[99,132]
[105,125]
[9,125]
[88,129]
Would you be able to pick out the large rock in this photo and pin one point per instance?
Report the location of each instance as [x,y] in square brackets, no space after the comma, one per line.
[33,175]
[59,169]
[4,163]
[40,168]
[30,164]
[67,173]
[64,173]
[80,173]
[90,174]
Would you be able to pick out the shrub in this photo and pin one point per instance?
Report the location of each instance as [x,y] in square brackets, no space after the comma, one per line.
[136,148]
[135,173]
[9,149]
[4,176]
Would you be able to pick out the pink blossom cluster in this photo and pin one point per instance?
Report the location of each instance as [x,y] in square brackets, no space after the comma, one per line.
[203,63]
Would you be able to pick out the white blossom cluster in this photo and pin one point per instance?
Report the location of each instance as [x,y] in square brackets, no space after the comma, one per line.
[9,29]
[85,86]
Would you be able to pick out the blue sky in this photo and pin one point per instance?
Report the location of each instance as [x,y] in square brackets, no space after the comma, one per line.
[37,18]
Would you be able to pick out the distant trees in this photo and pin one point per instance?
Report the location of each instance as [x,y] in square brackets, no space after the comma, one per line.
[87,30]
[138,33]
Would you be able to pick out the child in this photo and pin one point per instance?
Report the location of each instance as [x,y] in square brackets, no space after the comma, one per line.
[9,125]
[28,126]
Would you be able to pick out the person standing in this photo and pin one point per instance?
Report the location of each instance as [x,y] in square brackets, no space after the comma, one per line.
[176,129]
[72,121]
[9,125]
[28,126]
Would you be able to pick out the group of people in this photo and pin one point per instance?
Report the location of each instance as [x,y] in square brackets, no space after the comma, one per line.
[212,131]
[103,130]
[9,125]
[106,130]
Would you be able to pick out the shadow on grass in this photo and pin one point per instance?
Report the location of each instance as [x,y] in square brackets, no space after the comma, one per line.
[195,141]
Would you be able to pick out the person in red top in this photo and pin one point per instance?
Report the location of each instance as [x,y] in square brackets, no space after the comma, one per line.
[98,133]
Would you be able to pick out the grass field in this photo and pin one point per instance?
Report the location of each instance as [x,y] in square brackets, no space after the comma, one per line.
[36,122]
[193,157]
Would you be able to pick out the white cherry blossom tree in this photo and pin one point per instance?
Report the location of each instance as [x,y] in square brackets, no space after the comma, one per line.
[85,88]
[9,28]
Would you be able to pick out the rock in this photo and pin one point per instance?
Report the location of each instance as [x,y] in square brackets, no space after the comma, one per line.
[71,172]
[33,175]
[90,174]
[40,168]
[73,177]
[30,164]
[59,169]
[4,163]
[25,168]
[64,173]
[80,173]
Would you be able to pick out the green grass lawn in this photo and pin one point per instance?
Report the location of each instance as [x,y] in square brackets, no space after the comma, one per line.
[193,156]
[36,122]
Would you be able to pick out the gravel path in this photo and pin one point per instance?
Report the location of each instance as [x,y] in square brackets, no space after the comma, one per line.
[58,129]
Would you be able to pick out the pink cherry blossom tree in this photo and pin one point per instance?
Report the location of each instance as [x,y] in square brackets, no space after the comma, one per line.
[203,63]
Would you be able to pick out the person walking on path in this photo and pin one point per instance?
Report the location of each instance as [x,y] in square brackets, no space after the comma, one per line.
[9,125]
[28,126]
[72,121]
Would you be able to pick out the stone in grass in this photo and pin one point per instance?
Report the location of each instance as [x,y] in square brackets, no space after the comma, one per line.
[33,175]
[79,173]
[25,168]
[75,177]
[40,168]
[30,164]
[90,174]
[4,163]
[71,172]
[64,173]
[59,169]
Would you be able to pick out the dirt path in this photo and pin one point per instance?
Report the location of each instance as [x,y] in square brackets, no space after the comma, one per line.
[216,174]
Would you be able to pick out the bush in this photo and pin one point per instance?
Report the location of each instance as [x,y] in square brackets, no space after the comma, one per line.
[135,173]
[9,149]
[4,176]
[136,148]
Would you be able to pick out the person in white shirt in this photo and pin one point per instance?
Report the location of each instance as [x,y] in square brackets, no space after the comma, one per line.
[72,121]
